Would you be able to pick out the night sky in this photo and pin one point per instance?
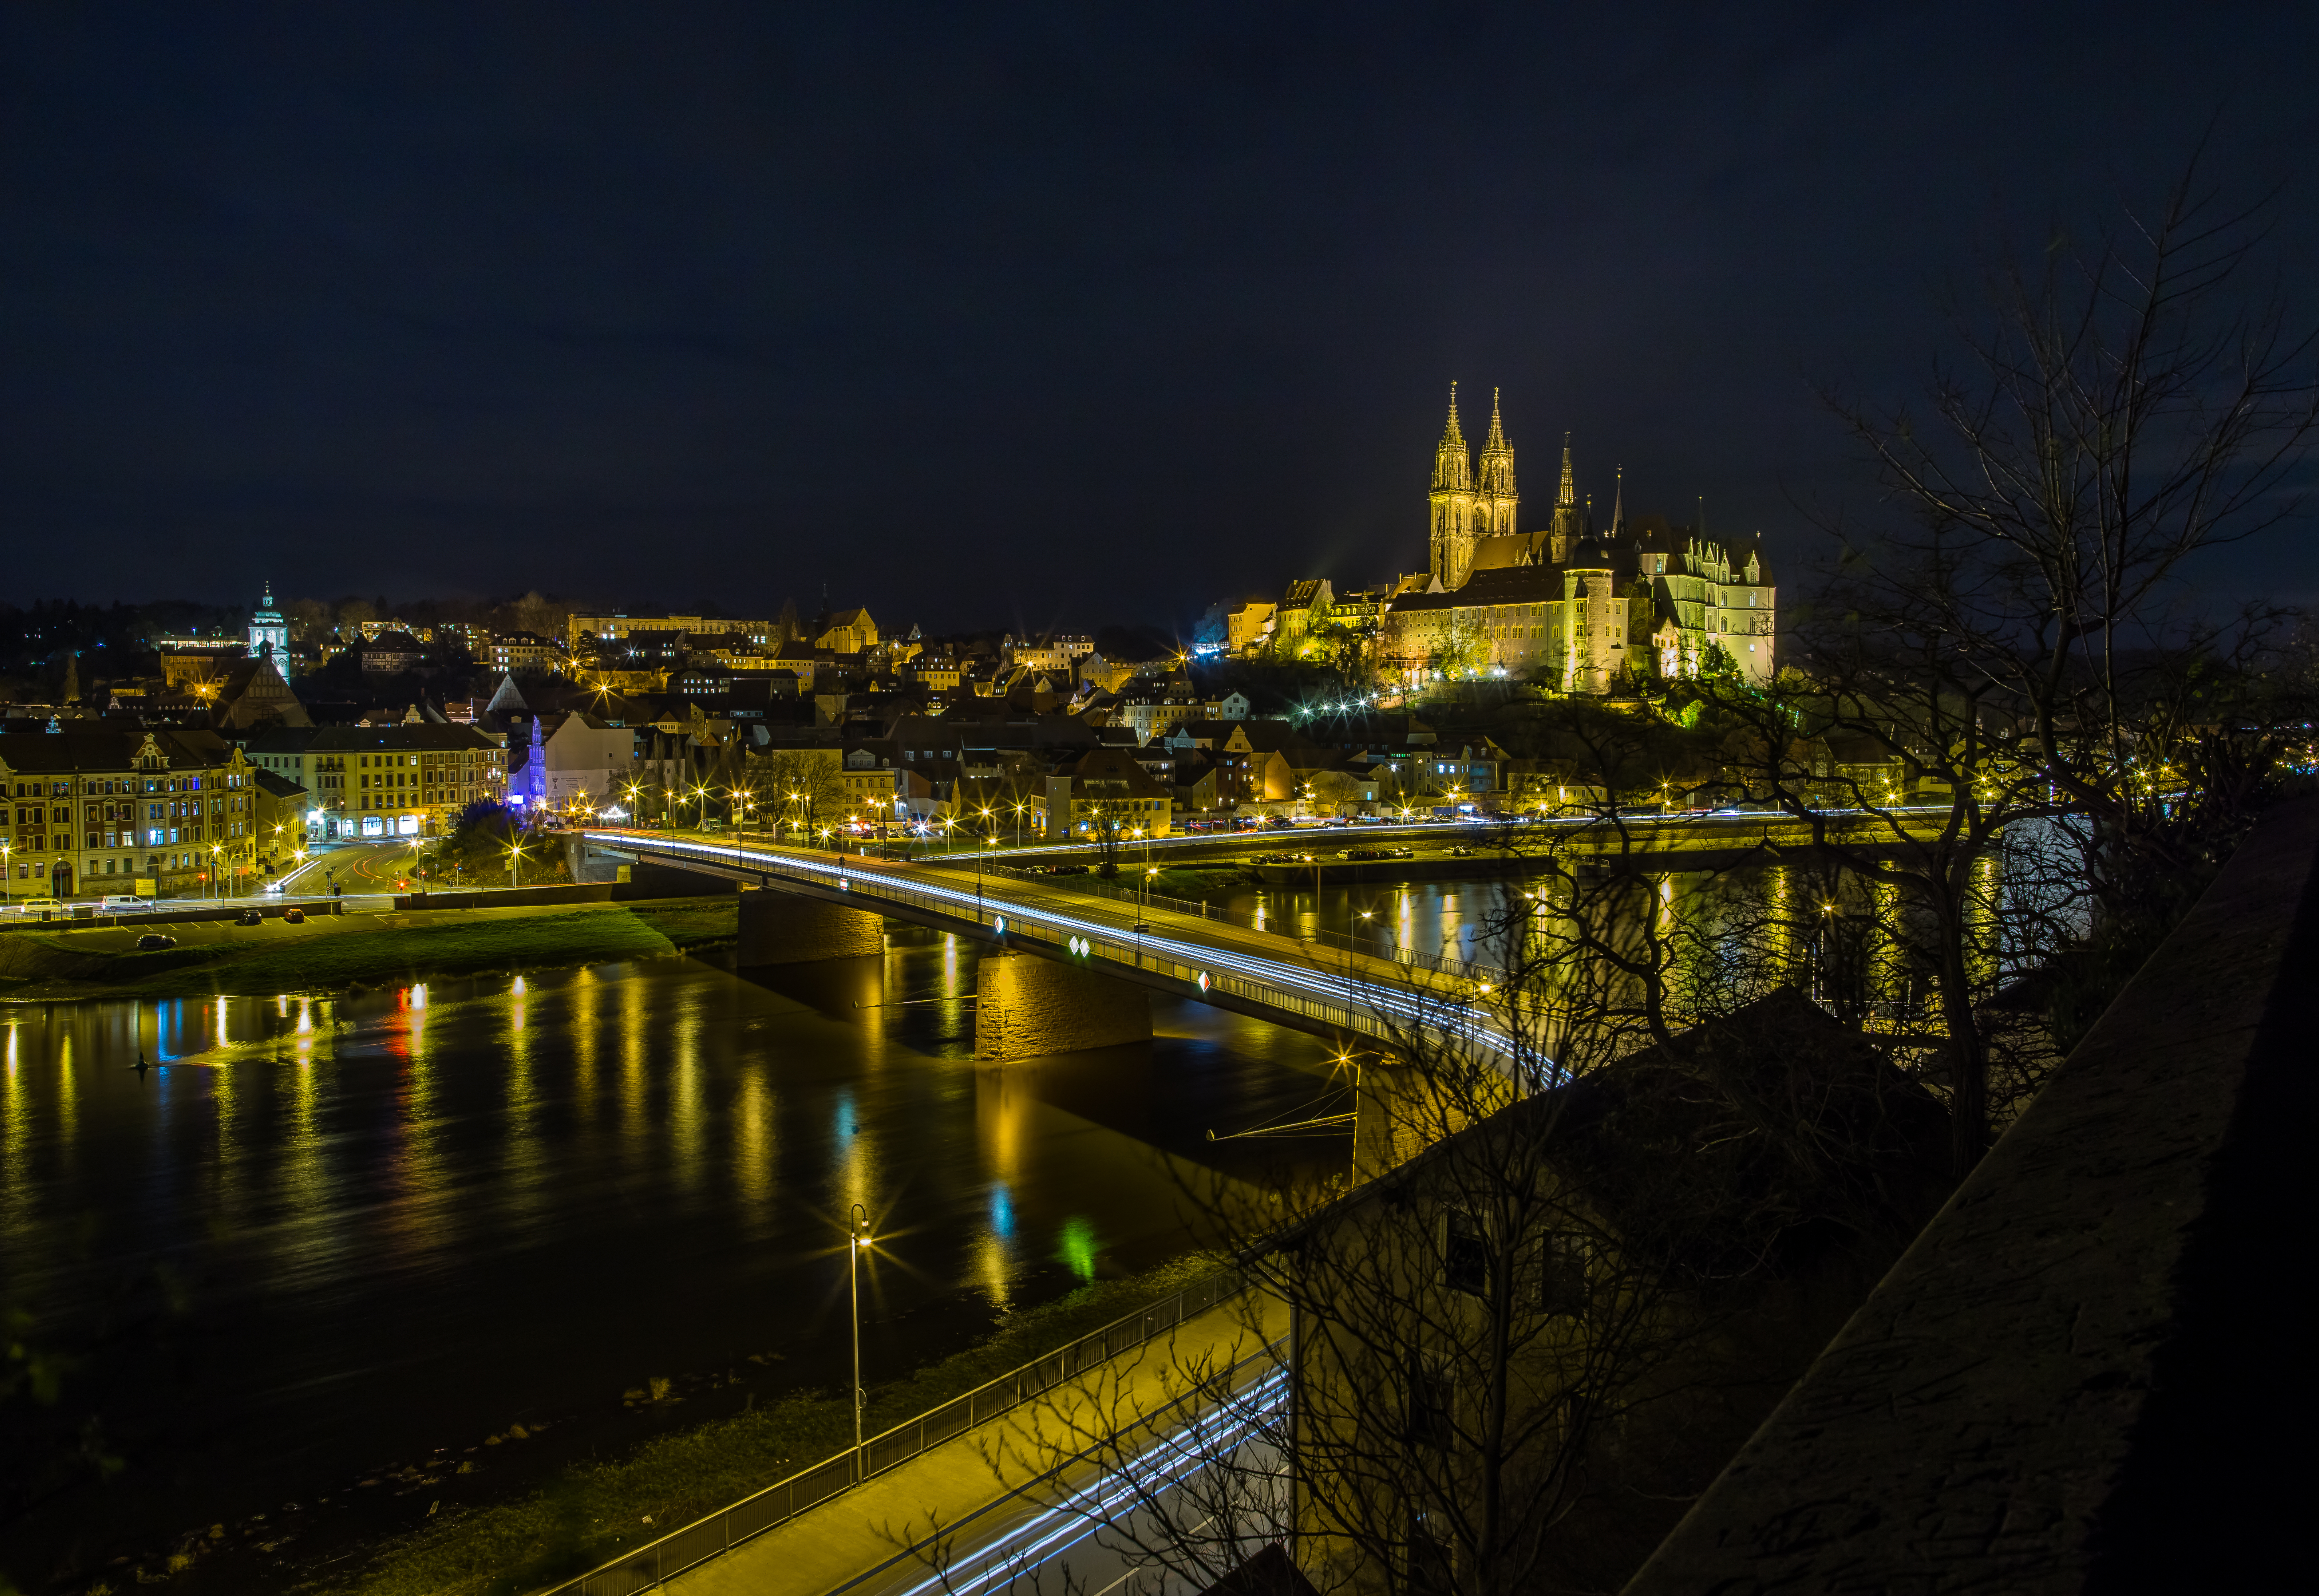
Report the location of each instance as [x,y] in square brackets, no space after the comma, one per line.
[1011,316]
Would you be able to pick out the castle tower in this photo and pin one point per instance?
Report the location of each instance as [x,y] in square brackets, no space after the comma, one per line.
[1569,522]
[1452,503]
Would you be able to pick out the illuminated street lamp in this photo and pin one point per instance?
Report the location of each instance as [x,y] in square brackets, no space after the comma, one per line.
[8,876]
[856,1238]
[515,863]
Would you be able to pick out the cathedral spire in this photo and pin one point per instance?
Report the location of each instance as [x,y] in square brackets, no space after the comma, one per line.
[1619,501]
[1453,467]
[1569,494]
[1497,441]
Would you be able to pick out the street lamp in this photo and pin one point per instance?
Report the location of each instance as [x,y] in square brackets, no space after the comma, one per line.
[515,863]
[217,850]
[856,1239]
[8,876]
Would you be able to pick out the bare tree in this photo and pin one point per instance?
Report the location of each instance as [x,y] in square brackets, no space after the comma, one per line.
[2012,646]
[1544,1302]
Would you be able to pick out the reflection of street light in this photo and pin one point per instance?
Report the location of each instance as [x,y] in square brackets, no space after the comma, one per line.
[856,1239]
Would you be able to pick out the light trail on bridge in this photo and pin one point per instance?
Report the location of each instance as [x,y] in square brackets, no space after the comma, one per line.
[1160,1468]
[1410,1008]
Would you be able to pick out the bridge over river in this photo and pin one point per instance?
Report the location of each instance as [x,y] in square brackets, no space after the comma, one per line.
[1068,965]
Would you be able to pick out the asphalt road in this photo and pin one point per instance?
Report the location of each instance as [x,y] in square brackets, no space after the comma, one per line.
[357,867]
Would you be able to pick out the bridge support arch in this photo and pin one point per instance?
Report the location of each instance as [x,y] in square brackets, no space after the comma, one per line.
[778,929]
[1026,1008]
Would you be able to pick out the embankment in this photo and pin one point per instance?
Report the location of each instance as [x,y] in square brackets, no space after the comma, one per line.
[334,954]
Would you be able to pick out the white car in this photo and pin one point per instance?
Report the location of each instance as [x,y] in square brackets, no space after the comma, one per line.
[122,903]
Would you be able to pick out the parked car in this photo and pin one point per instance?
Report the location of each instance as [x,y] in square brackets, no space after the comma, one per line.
[293,915]
[249,917]
[1362,853]
[153,941]
[1461,852]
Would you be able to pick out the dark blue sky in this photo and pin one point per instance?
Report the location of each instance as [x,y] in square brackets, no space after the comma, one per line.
[1011,315]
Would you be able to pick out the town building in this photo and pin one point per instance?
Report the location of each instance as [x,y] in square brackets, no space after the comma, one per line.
[579,628]
[522,651]
[1103,788]
[125,810]
[409,779]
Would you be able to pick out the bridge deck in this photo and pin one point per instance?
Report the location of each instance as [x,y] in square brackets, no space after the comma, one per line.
[1275,978]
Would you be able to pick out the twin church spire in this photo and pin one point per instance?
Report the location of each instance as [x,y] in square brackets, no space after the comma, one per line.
[1470,504]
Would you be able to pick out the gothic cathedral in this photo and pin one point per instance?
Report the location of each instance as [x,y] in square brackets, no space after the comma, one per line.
[1473,511]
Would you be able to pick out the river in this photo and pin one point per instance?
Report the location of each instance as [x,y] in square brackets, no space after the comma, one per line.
[324,1236]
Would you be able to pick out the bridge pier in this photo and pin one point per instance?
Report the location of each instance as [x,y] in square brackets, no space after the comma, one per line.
[1026,1008]
[778,929]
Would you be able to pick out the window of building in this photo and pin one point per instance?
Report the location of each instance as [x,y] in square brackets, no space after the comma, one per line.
[1565,1283]
[1465,1254]
[1432,1403]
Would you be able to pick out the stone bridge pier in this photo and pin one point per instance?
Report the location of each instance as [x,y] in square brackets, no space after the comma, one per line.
[778,929]
[1026,1008]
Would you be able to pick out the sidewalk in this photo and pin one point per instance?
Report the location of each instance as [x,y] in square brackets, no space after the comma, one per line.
[845,1544]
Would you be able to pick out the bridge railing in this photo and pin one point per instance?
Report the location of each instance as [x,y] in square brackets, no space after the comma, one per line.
[1380,946]
[656,1561]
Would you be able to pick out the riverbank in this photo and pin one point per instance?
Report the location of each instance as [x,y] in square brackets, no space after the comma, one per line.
[340,952]
[492,1531]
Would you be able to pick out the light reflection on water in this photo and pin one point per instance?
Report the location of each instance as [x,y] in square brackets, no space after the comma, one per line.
[402,1218]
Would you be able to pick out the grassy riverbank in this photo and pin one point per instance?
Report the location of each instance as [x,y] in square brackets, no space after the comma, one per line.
[589,1511]
[336,953]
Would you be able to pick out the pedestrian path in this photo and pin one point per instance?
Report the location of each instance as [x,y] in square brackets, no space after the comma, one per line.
[856,1543]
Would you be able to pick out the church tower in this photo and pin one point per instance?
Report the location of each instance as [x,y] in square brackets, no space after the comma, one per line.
[1569,522]
[1452,504]
[1494,499]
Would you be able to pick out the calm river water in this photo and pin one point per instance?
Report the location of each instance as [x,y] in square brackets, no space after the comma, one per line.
[326,1236]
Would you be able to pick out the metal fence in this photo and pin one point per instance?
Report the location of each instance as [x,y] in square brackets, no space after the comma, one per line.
[720,1531]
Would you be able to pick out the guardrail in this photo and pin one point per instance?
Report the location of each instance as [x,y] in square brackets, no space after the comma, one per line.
[728,1527]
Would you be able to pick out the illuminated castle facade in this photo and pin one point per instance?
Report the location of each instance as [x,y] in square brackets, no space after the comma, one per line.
[1641,601]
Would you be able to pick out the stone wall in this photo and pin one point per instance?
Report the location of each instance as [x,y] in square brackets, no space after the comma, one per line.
[2085,1373]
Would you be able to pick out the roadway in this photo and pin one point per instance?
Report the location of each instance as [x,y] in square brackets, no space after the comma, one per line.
[1027,1492]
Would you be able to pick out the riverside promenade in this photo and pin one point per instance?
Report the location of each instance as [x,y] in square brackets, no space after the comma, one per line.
[861,1542]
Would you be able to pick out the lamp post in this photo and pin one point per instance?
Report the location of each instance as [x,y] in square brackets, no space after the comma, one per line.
[856,1239]
[7,874]
[515,863]
[217,852]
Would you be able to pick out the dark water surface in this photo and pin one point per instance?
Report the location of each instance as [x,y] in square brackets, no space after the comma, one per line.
[325,1235]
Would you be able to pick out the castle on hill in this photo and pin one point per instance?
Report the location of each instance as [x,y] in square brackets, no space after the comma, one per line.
[1639,597]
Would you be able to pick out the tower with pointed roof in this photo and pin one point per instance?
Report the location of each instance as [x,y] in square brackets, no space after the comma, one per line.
[1468,506]
[270,634]
[1451,503]
[1569,524]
